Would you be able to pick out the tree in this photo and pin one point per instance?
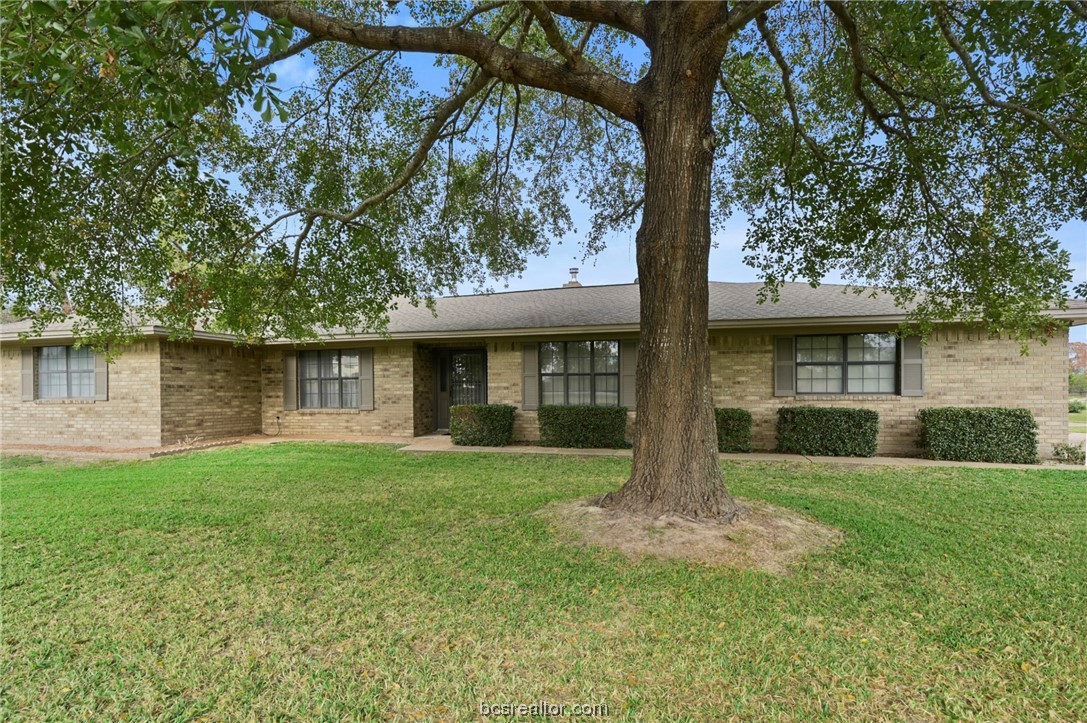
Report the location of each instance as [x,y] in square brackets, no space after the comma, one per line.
[925,149]
[1077,357]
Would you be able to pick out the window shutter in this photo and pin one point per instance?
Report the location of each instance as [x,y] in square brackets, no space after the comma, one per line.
[913,367]
[628,366]
[530,376]
[101,378]
[290,381]
[784,367]
[28,374]
[366,379]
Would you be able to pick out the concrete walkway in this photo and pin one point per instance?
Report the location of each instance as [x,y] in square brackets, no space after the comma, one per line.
[442,443]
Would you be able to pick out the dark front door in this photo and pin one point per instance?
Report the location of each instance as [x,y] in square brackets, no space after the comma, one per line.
[461,379]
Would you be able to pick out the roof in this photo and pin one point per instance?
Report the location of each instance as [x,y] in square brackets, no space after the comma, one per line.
[619,305]
[615,308]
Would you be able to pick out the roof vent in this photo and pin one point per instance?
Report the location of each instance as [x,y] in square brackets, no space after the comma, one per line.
[573,282]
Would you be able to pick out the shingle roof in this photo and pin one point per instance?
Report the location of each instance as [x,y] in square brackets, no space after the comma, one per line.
[617,306]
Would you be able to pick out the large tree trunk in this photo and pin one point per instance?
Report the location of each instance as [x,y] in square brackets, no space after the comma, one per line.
[676,470]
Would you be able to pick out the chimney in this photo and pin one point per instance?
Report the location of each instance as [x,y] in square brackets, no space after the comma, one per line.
[573,282]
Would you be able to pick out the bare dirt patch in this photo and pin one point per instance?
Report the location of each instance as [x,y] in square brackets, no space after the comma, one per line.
[90,453]
[768,538]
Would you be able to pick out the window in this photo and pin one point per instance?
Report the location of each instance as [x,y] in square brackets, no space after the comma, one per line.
[850,364]
[584,373]
[65,372]
[329,379]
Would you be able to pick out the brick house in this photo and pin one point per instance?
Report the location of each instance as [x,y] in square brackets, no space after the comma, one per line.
[572,345]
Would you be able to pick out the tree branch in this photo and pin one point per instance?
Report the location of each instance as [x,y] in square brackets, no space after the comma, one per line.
[1079,7]
[626,16]
[480,10]
[787,84]
[738,16]
[983,89]
[584,41]
[295,49]
[441,116]
[861,70]
[555,37]
[508,65]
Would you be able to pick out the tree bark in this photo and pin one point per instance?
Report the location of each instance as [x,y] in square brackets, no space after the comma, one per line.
[676,469]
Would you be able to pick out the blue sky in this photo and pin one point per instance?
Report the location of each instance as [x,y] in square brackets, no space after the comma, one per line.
[616,264]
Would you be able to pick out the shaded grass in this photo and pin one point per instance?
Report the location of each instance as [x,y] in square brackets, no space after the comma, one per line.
[19,461]
[325,581]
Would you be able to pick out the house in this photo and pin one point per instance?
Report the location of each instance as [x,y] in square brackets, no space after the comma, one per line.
[571,345]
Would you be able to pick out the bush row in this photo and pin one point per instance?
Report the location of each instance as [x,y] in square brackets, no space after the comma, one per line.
[979,434]
[481,425]
[583,427]
[828,431]
[733,430]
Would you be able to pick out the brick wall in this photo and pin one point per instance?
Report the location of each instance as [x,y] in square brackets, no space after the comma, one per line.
[962,368]
[209,390]
[160,392]
[129,418]
[392,415]
[422,390]
[504,382]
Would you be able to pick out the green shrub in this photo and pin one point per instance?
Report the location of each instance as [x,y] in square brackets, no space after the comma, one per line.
[733,430]
[1069,454]
[583,427]
[1075,406]
[481,425]
[979,434]
[828,431]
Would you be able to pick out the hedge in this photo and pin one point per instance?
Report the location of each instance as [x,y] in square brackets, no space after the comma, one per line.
[583,427]
[733,430]
[979,434]
[481,425]
[1070,454]
[828,431]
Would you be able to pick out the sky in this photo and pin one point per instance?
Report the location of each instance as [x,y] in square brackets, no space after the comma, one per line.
[616,264]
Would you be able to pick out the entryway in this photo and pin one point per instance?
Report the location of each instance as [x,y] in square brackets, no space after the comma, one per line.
[460,377]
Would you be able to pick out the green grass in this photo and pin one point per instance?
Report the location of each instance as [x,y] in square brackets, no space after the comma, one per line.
[1077,422]
[332,582]
[20,461]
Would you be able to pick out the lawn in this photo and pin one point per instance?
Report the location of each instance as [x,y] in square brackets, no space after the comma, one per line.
[331,582]
[1077,422]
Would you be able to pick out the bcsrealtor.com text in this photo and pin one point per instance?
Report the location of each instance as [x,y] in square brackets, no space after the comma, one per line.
[543,708]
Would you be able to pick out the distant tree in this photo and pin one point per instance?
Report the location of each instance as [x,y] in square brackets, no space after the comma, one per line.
[924,148]
[1077,383]
[1077,356]
[1077,367]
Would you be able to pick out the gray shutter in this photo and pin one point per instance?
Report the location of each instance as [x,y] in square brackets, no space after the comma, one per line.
[784,367]
[101,378]
[530,376]
[290,381]
[28,374]
[913,367]
[628,366]
[366,379]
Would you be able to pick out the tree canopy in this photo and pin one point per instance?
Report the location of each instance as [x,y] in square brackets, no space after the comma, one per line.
[153,167]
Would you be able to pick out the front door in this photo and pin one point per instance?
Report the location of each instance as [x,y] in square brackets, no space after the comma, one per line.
[461,379]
